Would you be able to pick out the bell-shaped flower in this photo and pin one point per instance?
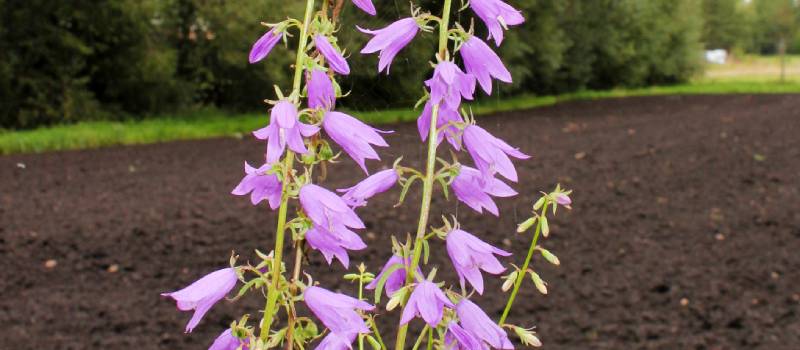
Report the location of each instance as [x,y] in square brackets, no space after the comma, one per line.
[472,188]
[334,341]
[490,153]
[390,40]
[379,182]
[264,45]
[335,59]
[201,295]
[366,6]
[563,199]
[446,121]
[449,84]
[334,243]
[226,341]
[260,185]
[337,311]
[477,323]
[426,301]
[457,338]
[327,210]
[355,137]
[483,63]
[496,15]
[397,279]
[284,129]
[321,93]
[470,255]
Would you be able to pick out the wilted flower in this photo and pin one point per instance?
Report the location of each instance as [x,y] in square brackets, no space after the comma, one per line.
[334,341]
[379,182]
[201,295]
[283,129]
[426,301]
[327,210]
[262,185]
[366,6]
[445,122]
[497,15]
[337,311]
[475,190]
[226,341]
[264,45]
[334,243]
[469,255]
[397,279]
[458,338]
[490,153]
[477,323]
[449,84]
[390,40]
[321,93]
[483,63]
[353,136]
[335,59]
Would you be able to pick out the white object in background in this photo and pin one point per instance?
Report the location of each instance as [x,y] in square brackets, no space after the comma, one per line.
[718,56]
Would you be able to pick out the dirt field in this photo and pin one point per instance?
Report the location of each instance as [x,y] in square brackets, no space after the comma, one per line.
[685,231]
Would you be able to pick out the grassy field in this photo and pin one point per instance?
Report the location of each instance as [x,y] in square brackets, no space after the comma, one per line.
[210,124]
[753,68]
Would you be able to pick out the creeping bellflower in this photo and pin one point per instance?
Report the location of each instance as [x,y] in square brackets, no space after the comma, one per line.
[321,93]
[379,182]
[497,15]
[483,63]
[445,123]
[226,341]
[262,185]
[337,311]
[397,279]
[335,59]
[334,341]
[327,210]
[449,84]
[475,190]
[334,243]
[477,323]
[426,301]
[490,153]
[201,295]
[355,137]
[284,129]
[458,338]
[264,45]
[469,255]
[366,6]
[390,40]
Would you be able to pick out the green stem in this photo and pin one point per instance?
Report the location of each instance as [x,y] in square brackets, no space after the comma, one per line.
[421,336]
[523,272]
[377,333]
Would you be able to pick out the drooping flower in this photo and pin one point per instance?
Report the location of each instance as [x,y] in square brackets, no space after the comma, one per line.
[335,59]
[379,182]
[475,190]
[264,45]
[449,84]
[426,301]
[496,15]
[477,323]
[201,295]
[327,210]
[262,185]
[226,341]
[483,63]
[390,40]
[321,93]
[490,153]
[470,255]
[458,338]
[366,6]
[284,129]
[355,137]
[397,279]
[445,123]
[337,311]
[334,341]
[334,243]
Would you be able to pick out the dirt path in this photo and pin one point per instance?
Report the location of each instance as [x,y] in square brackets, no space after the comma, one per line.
[685,232]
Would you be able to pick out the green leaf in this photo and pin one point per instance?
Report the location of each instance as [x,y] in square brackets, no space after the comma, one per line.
[374,342]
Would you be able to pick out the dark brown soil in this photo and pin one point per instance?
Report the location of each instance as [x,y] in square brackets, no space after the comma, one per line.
[685,231]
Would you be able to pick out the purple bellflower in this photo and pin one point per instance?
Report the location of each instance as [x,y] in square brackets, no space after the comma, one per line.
[470,255]
[475,190]
[397,279]
[284,129]
[334,341]
[226,341]
[445,121]
[355,137]
[332,220]
[262,185]
[264,45]
[426,301]
[201,295]
[379,182]
[457,338]
[449,84]
[477,323]
[390,40]
[337,311]
[490,153]
[366,6]
[563,199]
[334,243]
[496,15]
[483,63]
[335,59]
[321,93]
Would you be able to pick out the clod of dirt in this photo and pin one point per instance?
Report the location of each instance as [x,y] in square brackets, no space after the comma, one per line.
[580,155]
[51,263]
[113,268]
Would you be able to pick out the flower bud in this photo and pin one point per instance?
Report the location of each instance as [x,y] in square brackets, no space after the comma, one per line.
[538,203]
[539,283]
[394,301]
[525,225]
[545,226]
[550,257]
[527,337]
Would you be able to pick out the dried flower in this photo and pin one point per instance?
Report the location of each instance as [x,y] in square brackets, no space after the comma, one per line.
[497,15]
[337,311]
[483,63]
[335,59]
[354,136]
[262,185]
[446,122]
[490,153]
[469,255]
[201,295]
[284,129]
[449,84]
[390,40]
[379,182]
[426,301]
[475,190]
[321,93]
[264,45]
[477,323]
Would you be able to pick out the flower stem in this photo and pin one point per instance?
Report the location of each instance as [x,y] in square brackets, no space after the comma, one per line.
[523,271]
[298,262]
